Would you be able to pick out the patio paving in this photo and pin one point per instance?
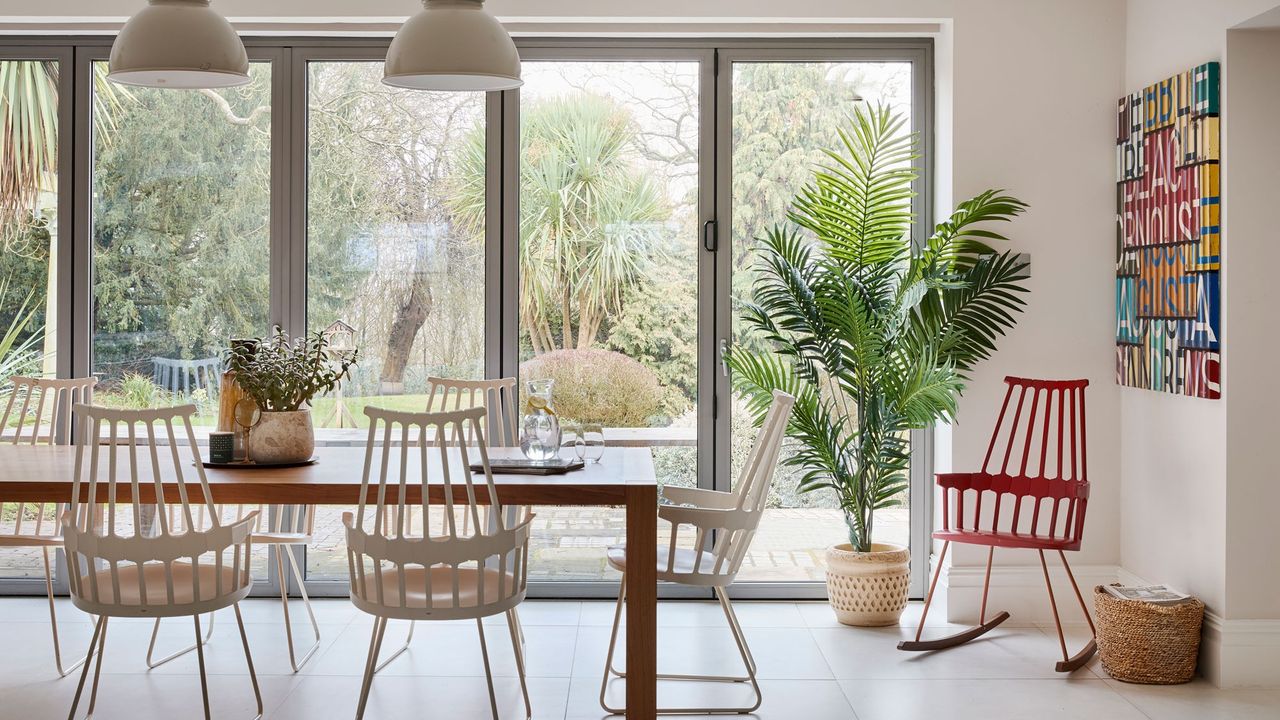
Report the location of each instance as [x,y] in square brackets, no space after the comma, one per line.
[569,544]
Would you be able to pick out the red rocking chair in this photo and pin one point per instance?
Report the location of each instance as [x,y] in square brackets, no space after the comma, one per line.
[1041,482]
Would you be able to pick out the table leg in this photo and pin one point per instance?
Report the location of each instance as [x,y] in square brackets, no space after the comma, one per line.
[642,601]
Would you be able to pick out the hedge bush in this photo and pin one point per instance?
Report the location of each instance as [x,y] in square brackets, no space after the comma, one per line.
[597,386]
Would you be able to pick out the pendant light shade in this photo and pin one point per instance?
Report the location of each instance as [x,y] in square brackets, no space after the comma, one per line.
[452,45]
[178,44]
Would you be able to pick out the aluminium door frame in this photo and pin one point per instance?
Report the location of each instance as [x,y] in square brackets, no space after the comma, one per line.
[97,49]
[288,217]
[303,51]
[561,50]
[919,53]
[49,49]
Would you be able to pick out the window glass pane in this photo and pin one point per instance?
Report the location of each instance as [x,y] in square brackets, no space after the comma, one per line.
[784,115]
[395,248]
[28,238]
[181,236]
[608,273]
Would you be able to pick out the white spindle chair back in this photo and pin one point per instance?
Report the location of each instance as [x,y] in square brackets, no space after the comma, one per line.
[127,559]
[51,400]
[499,423]
[733,517]
[40,394]
[499,396]
[440,570]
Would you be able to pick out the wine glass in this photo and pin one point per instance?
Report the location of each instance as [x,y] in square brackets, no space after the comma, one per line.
[571,437]
[593,439]
[247,414]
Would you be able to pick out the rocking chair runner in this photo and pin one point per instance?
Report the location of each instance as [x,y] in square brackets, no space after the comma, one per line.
[1040,480]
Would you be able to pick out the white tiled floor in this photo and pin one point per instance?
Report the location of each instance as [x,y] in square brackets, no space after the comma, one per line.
[811,668]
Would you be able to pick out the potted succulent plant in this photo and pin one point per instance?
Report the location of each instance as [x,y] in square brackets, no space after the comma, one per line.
[874,333]
[282,376]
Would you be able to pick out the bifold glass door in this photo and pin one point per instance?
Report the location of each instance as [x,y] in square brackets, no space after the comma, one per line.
[596,227]
[780,113]
[609,255]
[394,245]
[179,218]
[34,227]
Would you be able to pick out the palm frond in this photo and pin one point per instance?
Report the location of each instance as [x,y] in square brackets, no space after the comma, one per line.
[872,336]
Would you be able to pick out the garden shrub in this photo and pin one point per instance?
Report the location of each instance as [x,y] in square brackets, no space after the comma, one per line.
[597,385]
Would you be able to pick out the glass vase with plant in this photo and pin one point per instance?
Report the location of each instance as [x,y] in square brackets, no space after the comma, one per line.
[874,332]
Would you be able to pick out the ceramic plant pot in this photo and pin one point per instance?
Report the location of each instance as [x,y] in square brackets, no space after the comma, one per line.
[282,437]
[868,589]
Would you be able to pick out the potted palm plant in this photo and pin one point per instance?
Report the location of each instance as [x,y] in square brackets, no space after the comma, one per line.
[282,376]
[874,333]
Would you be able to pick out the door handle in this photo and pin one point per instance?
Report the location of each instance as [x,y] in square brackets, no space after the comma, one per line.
[724,359]
[710,242]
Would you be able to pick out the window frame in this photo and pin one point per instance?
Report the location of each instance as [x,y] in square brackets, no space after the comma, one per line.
[50,49]
[288,251]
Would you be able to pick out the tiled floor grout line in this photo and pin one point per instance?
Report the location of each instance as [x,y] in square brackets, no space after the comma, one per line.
[769,622]
[1128,700]
[830,669]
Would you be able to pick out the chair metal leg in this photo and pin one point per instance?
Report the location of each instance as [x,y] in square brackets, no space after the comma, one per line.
[1074,662]
[613,640]
[613,643]
[248,659]
[399,651]
[53,623]
[986,585]
[1080,598]
[964,636]
[739,639]
[488,672]
[517,646]
[155,632]
[375,644]
[97,639]
[933,586]
[97,670]
[282,552]
[204,680]
[515,617]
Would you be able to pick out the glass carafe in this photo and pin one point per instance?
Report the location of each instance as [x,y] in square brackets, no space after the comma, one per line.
[540,428]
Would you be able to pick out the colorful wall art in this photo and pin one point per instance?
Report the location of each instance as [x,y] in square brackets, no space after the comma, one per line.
[1168,266]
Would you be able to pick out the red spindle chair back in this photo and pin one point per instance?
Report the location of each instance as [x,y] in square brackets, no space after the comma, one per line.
[1033,488]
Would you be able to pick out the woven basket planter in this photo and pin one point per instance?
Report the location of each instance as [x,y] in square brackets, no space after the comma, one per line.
[1141,642]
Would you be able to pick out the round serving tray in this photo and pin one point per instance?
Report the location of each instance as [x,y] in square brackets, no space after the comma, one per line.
[241,465]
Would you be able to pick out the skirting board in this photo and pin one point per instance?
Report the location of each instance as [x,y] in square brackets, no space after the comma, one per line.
[1019,589]
[1234,653]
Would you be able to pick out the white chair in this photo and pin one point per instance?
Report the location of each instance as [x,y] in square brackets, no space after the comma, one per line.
[51,401]
[289,525]
[402,572]
[499,396]
[122,564]
[725,522]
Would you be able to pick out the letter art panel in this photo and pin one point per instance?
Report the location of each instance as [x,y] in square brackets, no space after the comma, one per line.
[1168,238]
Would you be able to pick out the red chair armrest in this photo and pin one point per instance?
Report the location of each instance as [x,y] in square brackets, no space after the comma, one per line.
[958,481]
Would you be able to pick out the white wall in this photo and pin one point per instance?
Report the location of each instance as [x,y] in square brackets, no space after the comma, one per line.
[1253,493]
[1199,491]
[1174,449]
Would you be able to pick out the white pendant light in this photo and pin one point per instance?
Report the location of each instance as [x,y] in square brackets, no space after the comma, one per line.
[452,45]
[178,44]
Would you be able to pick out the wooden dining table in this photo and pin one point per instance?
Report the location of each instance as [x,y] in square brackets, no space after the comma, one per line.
[624,477]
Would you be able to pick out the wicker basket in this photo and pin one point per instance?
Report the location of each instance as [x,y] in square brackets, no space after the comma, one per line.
[1142,642]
